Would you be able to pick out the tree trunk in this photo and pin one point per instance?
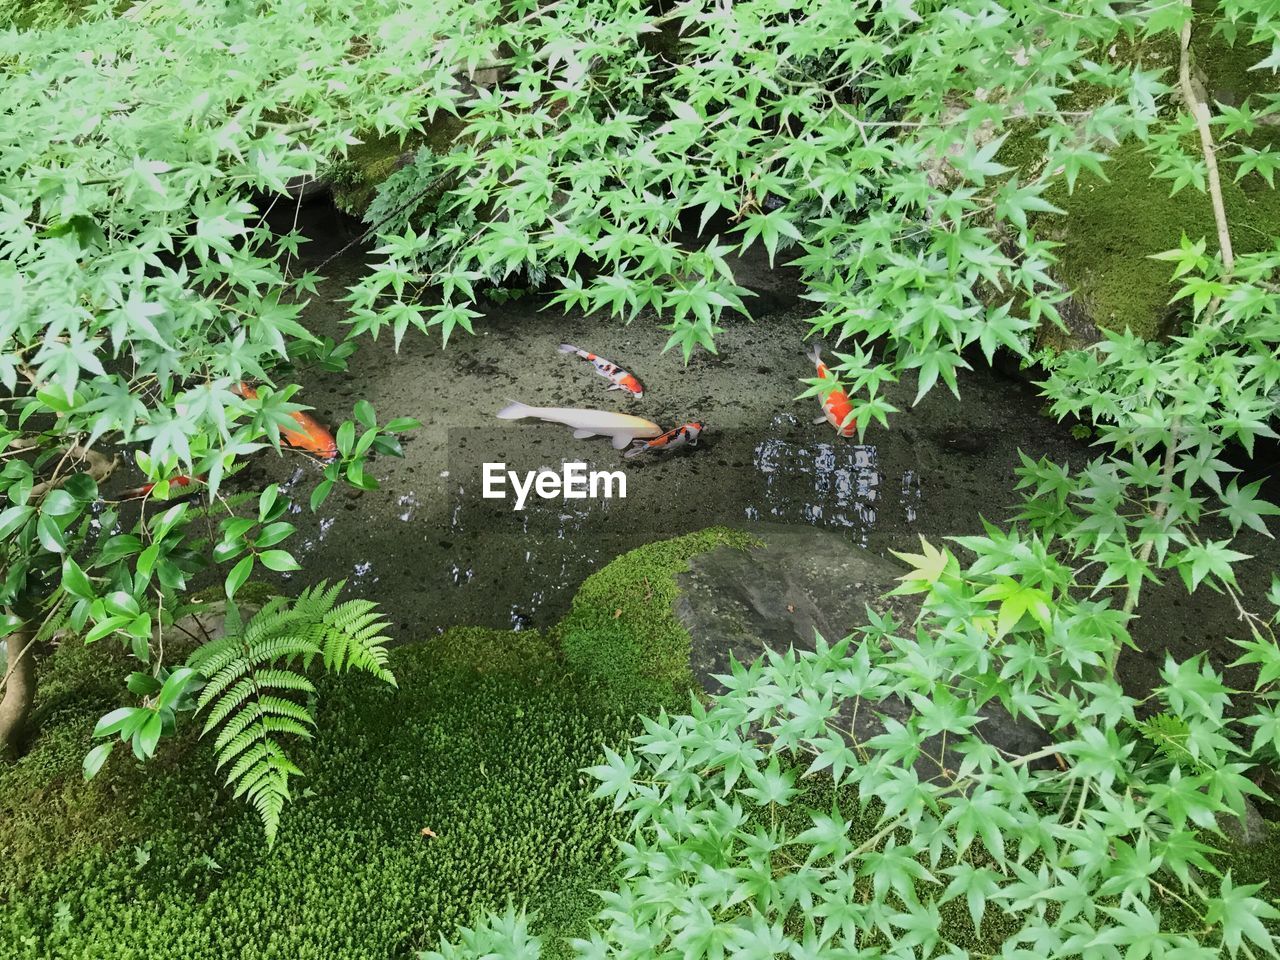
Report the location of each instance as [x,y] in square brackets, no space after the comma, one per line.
[18,695]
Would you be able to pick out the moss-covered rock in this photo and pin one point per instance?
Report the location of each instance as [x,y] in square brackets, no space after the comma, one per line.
[1112,226]
[354,180]
[622,626]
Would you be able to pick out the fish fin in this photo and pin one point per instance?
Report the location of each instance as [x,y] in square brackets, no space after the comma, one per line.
[816,354]
[582,434]
[612,386]
[515,410]
[816,420]
[568,348]
[621,440]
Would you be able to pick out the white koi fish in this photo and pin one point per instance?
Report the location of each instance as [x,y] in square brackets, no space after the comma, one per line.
[622,428]
[620,379]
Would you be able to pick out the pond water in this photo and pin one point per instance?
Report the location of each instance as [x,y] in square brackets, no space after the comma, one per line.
[436,554]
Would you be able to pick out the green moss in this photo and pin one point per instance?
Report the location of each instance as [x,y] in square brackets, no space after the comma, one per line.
[482,744]
[1112,227]
[622,627]
[355,179]
[39,14]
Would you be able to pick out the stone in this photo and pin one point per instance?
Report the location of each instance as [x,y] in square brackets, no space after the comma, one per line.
[800,580]
[205,623]
[1250,830]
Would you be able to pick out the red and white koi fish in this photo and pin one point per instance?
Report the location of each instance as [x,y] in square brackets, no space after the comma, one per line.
[671,440]
[137,493]
[312,438]
[835,406]
[621,380]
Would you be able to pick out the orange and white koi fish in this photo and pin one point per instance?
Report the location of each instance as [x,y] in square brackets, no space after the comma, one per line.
[835,406]
[671,440]
[137,493]
[621,380]
[312,438]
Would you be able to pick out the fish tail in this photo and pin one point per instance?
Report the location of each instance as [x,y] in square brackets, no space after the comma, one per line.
[515,410]
[816,354]
[635,451]
[569,348]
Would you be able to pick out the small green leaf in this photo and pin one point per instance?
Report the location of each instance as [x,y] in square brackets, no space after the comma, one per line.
[13,518]
[266,501]
[95,758]
[50,534]
[278,560]
[74,580]
[238,575]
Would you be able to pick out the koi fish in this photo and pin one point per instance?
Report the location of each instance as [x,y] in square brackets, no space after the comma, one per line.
[621,380]
[137,493]
[835,406]
[671,440]
[312,438]
[622,428]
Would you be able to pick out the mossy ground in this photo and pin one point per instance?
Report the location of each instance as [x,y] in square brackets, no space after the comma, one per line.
[1112,226]
[482,744]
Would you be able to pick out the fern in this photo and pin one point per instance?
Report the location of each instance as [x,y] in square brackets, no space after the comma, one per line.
[256,691]
[1170,735]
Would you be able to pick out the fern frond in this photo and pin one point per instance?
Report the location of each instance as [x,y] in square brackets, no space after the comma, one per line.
[1170,736]
[249,765]
[284,680]
[227,704]
[355,640]
[255,689]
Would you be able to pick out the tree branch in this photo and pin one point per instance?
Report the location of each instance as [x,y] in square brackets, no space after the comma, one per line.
[1200,113]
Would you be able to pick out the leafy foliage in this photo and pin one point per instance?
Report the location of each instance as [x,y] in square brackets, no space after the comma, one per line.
[248,683]
[827,840]
[141,286]
[863,142]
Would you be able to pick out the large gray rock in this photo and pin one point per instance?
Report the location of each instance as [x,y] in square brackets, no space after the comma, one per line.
[802,579]
[741,602]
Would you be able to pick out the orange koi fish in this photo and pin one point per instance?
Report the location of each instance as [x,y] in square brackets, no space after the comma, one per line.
[621,380]
[312,438]
[671,440]
[137,493]
[835,406]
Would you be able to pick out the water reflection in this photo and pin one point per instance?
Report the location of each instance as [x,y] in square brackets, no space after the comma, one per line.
[822,483]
